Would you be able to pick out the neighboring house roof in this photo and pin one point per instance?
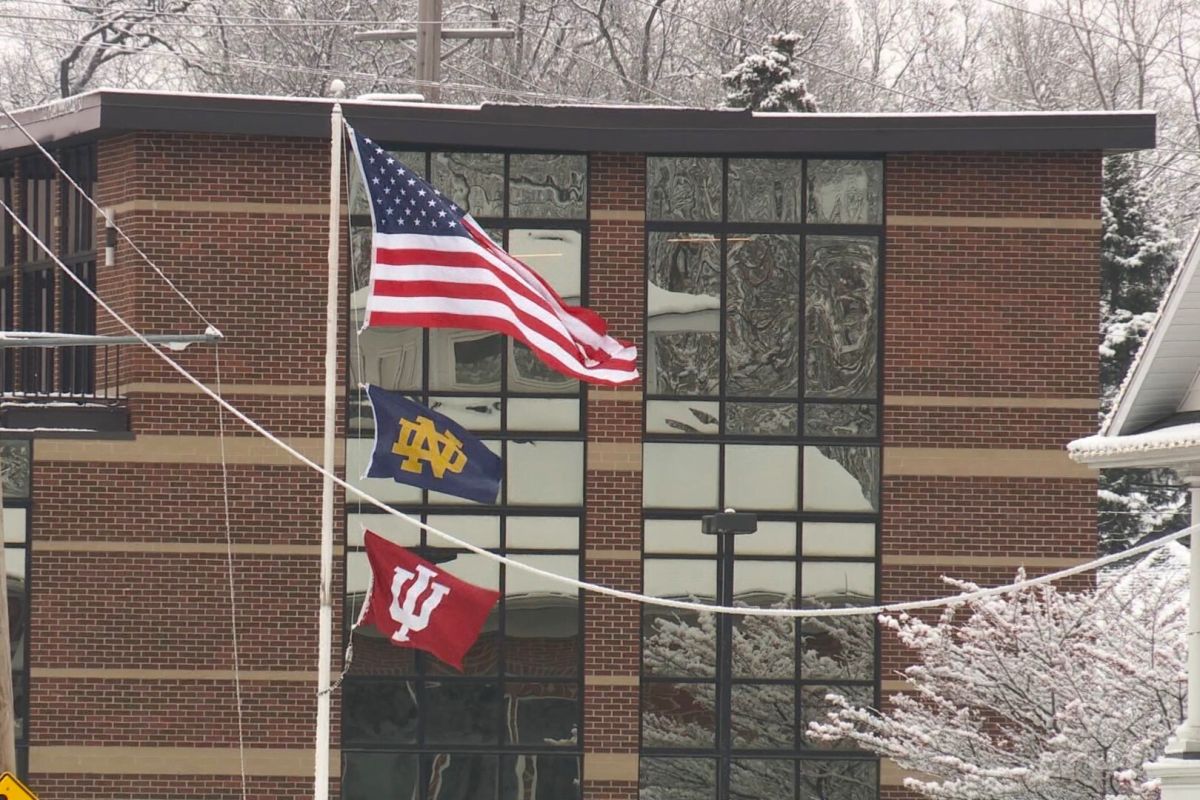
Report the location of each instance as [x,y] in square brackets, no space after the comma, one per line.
[1146,426]
[583,128]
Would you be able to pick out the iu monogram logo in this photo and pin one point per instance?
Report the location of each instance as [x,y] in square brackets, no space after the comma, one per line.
[420,442]
[405,610]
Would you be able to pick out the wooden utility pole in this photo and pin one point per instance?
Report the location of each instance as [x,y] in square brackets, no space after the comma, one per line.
[429,34]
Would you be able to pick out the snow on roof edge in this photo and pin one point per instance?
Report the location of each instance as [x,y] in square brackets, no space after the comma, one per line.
[1098,445]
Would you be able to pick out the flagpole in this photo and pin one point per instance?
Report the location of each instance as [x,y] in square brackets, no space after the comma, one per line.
[321,772]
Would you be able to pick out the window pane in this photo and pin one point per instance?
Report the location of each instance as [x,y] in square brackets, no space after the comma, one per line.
[546,533]
[682,416]
[462,713]
[838,780]
[474,181]
[553,186]
[540,777]
[761,477]
[677,779]
[542,714]
[677,536]
[815,708]
[530,414]
[679,475]
[482,531]
[764,647]
[838,539]
[841,478]
[545,473]
[840,316]
[845,192]
[542,618]
[679,715]
[683,188]
[758,778]
[458,776]
[771,539]
[465,361]
[762,305]
[15,523]
[840,420]
[763,717]
[15,466]
[764,190]
[386,357]
[369,776]
[378,713]
[683,303]
[761,419]
[678,643]
[473,413]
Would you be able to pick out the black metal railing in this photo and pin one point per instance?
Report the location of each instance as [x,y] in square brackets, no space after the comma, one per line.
[72,373]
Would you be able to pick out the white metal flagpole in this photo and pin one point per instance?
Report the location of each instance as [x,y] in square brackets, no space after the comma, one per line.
[321,773]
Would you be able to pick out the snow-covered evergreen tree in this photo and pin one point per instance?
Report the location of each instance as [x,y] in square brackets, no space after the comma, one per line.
[770,80]
[1038,694]
[1138,256]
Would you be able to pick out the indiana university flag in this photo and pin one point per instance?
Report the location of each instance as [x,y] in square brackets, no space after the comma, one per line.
[417,604]
[418,446]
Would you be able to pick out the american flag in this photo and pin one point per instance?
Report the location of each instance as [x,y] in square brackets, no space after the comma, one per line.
[433,266]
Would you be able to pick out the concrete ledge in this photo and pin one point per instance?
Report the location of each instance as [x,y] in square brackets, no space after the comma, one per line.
[261,762]
[181,548]
[107,674]
[962,462]
[613,555]
[143,205]
[614,395]
[611,680]
[158,449]
[617,215]
[614,456]
[604,767]
[942,401]
[1042,223]
[935,560]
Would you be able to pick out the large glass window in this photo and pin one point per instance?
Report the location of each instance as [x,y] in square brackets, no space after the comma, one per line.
[762,394]
[510,724]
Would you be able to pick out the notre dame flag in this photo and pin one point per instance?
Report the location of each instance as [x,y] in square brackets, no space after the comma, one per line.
[418,446]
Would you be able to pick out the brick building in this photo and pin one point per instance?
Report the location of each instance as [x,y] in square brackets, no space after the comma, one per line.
[875,331]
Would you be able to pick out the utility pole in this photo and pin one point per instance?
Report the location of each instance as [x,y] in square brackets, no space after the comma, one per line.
[429,34]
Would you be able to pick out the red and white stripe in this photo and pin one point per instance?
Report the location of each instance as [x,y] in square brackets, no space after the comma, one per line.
[428,281]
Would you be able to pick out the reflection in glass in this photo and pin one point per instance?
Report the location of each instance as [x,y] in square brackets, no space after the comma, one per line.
[679,475]
[760,419]
[462,713]
[840,478]
[462,360]
[678,536]
[677,643]
[556,255]
[479,530]
[762,345]
[759,778]
[815,708]
[474,181]
[763,716]
[761,476]
[686,188]
[541,618]
[473,413]
[771,539]
[379,712]
[545,473]
[677,779]
[682,416]
[543,185]
[683,301]
[845,192]
[839,420]
[459,776]
[15,522]
[369,776]
[838,780]
[840,316]
[764,647]
[542,714]
[546,533]
[838,538]
[539,414]
[678,714]
[764,189]
[540,777]
[358,456]
[15,467]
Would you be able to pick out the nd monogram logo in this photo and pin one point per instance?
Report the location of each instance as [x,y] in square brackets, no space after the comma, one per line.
[404,610]
[419,442]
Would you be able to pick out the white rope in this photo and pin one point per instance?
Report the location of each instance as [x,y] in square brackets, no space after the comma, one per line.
[572,582]
[233,612]
[109,221]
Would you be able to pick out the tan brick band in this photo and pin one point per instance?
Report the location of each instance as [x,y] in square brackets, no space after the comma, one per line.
[892,774]
[260,389]
[982,463]
[260,762]
[611,680]
[614,555]
[180,548]
[220,207]
[609,767]
[157,449]
[614,456]
[940,401]
[615,395]
[934,560]
[617,215]
[895,686]
[1041,223]
[258,675]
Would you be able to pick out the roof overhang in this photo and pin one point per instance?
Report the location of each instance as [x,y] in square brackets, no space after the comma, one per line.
[582,128]
[1166,447]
